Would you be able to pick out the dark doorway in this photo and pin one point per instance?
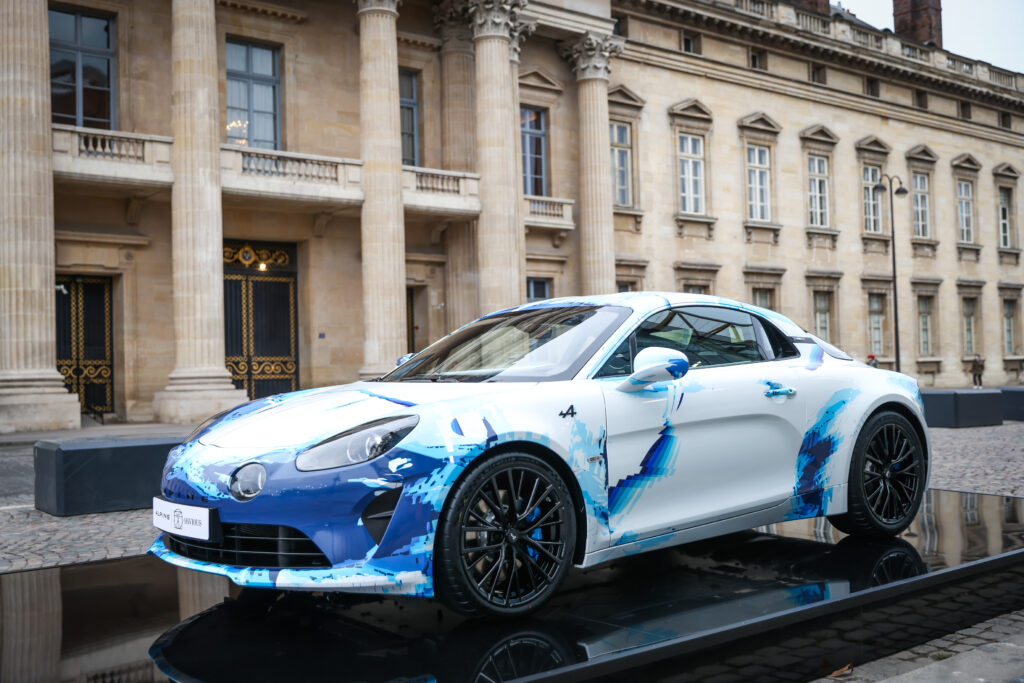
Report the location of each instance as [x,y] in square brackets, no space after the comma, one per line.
[260,320]
[85,347]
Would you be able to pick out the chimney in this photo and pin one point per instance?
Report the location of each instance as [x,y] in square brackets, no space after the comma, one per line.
[918,20]
[819,6]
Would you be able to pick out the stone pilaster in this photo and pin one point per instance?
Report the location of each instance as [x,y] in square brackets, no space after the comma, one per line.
[30,626]
[383,221]
[499,242]
[32,393]
[590,56]
[521,30]
[458,153]
[199,385]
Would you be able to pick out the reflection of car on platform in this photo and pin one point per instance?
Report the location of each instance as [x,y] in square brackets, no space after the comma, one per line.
[570,431]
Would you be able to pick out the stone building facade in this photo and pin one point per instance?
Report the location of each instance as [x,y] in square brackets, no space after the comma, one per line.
[238,197]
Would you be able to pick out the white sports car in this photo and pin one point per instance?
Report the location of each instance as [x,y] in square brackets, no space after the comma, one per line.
[566,432]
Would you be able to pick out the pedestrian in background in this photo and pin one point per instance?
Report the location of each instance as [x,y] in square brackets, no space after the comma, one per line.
[977,368]
[872,361]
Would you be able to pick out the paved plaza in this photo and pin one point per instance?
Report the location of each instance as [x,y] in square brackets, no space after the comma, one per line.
[983,459]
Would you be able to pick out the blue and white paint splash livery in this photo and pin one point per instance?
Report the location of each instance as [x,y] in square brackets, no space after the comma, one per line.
[670,417]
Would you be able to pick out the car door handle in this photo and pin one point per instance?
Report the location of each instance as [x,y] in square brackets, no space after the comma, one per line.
[780,391]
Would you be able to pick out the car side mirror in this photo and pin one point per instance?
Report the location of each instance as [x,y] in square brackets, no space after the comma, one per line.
[655,364]
[404,358]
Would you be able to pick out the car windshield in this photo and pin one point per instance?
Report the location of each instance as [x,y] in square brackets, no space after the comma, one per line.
[541,344]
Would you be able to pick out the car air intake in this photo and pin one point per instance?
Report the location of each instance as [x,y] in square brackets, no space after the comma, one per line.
[377,515]
[253,545]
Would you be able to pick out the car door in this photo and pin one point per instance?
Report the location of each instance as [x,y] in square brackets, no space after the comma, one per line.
[717,443]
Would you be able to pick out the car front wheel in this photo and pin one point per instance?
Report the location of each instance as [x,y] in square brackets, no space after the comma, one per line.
[506,537]
[888,472]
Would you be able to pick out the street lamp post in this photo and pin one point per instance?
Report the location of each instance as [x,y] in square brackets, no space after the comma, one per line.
[901,191]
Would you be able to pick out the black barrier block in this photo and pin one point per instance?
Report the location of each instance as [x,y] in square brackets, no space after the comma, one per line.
[1013,403]
[84,476]
[966,408]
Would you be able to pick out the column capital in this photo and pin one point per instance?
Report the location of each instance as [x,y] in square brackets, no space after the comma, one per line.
[521,30]
[451,22]
[389,6]
[591,53]
[494,18]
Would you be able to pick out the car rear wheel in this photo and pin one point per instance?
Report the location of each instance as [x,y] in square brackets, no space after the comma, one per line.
[887,476]
[506,537]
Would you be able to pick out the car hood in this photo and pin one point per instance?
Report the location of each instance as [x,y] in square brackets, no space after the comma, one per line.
[304,418]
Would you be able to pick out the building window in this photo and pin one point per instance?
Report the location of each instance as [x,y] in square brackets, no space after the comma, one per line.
[921,99]
[1010,327]
[695,289]
[817,169]
[872,87]
[622,287]
[817,74]
[964,110]
[759,60]
[970,307]
[1005,120]
[758,183]
[823,315]
[1005,218]
[925,304]
[691,43]
[622,162]
[919,182]
[764,297]
[533,122]
[254,85]
[872,199]
[876,323]
[691,173]
[81,68]
[538,289]
[965,210]
[408,103]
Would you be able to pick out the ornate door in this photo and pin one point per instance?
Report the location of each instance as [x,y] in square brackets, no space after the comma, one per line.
[260,321]
[85,355]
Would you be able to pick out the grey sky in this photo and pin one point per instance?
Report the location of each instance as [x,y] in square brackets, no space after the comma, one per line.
[988,30]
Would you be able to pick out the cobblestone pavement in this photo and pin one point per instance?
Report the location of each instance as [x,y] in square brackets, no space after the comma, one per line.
[984,459]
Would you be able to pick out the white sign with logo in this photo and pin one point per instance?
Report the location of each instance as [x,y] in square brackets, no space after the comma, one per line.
[181,520]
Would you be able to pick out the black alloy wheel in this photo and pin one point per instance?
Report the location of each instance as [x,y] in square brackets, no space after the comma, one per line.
[887,476]
[506,539]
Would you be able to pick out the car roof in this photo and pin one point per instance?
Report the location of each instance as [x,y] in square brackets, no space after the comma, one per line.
[644,303]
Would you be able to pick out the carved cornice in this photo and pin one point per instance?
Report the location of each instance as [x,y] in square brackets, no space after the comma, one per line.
[390,6]
[494,18]
[266,9]
[451,22]
[591,54]
[521,30]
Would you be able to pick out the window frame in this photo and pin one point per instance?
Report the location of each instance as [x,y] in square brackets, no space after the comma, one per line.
[883,314]
[874,200]
[412,104]
[549,285]
[965,219]
[926,319]
[916,211]
[526,134]
[692,161]
[969,324]
[764,173]
[78,49]
[615,147]
[819,194]
[761,56]
[829,297]
[1011,326]
[1005,226]
[817,73]
[251,79]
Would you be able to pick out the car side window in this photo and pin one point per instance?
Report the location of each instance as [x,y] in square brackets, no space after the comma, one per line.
[779,344]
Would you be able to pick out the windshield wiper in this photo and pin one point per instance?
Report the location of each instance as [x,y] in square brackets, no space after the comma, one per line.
[430,378]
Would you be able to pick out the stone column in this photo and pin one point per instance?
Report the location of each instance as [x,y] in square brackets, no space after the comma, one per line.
[590,56]
[30,626]
[498,240]
[199,385]
[198,591]
[383,221]
[32,393]
[458,153]
[521,30]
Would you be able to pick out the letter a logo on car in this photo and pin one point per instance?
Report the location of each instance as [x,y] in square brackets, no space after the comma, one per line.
[177,519]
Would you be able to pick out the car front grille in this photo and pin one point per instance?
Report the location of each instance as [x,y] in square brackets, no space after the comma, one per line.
[253,545]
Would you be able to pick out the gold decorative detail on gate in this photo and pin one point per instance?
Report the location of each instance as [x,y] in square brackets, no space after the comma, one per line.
[91,378]
[248,368]
[247,255]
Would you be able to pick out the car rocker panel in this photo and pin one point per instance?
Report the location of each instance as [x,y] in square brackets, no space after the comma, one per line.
[682,453]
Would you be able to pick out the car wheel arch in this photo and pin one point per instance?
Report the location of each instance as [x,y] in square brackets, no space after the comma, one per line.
[557,463]
[910,415]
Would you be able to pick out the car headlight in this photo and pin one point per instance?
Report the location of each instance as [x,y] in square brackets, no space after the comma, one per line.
[357,445]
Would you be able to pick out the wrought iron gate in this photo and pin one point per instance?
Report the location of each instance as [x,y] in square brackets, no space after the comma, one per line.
[85,354]
[260,321]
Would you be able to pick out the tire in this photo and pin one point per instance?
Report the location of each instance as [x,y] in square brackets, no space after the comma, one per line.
[492,560]
[887,475]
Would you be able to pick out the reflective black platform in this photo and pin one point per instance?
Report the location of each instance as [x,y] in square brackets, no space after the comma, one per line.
[792,602]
